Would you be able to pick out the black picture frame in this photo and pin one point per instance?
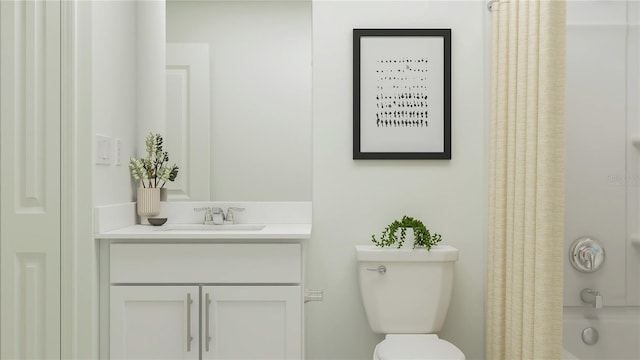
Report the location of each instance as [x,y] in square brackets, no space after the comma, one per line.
[402,94]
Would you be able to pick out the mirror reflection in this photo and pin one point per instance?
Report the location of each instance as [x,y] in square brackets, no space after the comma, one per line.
[239,99]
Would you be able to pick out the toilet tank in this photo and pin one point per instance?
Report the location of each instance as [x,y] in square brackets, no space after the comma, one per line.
[406,291]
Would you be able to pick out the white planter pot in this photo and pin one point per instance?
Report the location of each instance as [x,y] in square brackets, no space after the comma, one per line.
[148,202]
[408,240]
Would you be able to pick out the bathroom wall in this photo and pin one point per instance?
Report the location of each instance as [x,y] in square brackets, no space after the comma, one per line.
[602,178]
[602,196]
[127,83]
[354,199]
[114,93]
[633,153]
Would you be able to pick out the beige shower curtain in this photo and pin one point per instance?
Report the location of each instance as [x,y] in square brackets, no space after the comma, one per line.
[526,197]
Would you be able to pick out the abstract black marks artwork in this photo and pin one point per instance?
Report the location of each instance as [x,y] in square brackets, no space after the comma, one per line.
[402,98]
[402,94]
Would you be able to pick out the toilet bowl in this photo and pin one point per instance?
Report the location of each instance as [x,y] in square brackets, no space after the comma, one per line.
[406,295]
[416,346]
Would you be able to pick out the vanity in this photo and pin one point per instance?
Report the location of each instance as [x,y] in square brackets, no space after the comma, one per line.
[184,291]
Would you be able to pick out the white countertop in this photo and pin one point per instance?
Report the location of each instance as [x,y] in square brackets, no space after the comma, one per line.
[150,232]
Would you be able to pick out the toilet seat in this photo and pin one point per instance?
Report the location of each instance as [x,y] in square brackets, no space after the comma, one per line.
[416,347]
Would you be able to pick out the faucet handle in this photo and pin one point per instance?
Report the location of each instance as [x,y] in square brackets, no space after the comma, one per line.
[231,212]
[208,215]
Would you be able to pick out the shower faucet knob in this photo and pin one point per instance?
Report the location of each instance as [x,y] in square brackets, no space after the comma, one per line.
[586,254]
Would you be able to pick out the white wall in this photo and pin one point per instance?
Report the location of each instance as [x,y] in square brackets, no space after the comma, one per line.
[354,199]
[114,94]
[633,155]
[260,55]
[602,178]
[127,87]
[602,197]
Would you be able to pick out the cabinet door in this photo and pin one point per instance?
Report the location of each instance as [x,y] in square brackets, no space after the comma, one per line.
[154,322]
[252,322]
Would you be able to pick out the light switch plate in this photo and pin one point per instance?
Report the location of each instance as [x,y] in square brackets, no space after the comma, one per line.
[103,150]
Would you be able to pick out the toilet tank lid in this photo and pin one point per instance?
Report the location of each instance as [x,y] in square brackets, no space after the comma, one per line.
[437,253]
[426,347]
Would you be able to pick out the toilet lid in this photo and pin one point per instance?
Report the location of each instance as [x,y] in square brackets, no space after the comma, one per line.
[422,347]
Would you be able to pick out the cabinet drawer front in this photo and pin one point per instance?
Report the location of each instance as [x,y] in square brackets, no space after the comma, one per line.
[205,263]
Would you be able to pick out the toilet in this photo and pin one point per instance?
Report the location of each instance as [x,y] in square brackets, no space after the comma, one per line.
[406,295]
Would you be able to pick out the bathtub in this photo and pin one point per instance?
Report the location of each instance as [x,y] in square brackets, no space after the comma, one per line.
[618,330]
[566,355]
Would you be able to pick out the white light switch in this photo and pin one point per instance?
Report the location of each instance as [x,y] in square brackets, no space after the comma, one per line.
[103,150]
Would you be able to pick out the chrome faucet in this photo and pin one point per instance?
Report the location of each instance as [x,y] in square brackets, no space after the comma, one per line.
[231,214]
[589,296]
[218,216]
[208,215]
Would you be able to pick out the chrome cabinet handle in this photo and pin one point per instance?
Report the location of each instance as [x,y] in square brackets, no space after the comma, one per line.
[380,269]
[207,326]
[189,337]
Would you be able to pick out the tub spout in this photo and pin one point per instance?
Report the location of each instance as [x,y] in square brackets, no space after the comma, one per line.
[589,296]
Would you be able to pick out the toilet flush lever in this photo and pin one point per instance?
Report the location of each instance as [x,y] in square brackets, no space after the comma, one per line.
[380,269]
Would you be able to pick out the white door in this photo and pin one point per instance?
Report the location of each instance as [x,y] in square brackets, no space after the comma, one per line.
[187,119]
[154,322]
[30,179]
[252,322]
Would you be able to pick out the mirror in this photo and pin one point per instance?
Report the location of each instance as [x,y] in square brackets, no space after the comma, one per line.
[239,99]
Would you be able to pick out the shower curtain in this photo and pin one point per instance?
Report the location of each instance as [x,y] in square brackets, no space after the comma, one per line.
[526,196]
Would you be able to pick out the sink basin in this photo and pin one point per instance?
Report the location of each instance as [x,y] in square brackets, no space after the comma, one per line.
[225,227]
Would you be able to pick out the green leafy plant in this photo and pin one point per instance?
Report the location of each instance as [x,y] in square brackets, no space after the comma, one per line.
[423,237]
[153,171]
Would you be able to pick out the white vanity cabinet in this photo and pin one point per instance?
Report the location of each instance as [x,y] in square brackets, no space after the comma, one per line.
[205,300]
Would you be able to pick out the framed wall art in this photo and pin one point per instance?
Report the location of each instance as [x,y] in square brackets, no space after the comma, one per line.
[402,94]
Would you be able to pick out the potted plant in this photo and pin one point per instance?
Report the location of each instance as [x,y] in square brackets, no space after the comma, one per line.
[422,235]
[153,172]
